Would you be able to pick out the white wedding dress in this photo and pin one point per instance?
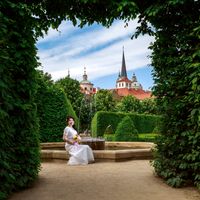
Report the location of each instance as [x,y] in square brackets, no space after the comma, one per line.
[79,154]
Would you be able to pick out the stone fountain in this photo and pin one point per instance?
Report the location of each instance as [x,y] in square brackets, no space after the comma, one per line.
[94,143]
[103,150]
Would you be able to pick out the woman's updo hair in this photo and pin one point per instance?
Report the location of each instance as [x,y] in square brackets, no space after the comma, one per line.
[68,118]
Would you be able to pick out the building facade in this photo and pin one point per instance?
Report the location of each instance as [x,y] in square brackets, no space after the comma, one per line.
[125,86]
[86,86]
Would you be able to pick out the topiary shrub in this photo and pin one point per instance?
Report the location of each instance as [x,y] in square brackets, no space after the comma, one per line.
[156,130]
[126,130]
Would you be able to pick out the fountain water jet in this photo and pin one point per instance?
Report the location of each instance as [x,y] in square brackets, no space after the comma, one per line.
[94,143]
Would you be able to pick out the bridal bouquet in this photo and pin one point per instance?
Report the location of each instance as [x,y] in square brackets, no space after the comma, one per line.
[76,139]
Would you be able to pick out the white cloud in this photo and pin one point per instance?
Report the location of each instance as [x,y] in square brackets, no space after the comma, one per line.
[65,27]
[67,51]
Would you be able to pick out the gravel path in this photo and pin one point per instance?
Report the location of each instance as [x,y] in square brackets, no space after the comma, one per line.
[131,180]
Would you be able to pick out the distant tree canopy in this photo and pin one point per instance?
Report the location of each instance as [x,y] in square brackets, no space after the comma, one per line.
[71,87]
[149,106]
[131,104]
[82,104]
[104,101]
[128,104]
[175,25]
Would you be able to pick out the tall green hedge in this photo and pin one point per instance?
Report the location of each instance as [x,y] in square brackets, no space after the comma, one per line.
[19,149]
[143,123]
[176,61]
[52,108]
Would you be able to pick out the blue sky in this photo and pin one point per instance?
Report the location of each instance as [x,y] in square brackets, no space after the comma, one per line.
[97,48]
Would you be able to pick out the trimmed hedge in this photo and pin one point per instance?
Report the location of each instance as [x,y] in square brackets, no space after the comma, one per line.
[53,107]
[102,119]
[19,149]
[126,130]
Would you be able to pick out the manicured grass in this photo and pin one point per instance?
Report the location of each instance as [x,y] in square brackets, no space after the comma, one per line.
[143,137]
[147,137]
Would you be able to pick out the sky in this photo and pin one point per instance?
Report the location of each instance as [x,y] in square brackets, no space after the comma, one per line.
[99,49]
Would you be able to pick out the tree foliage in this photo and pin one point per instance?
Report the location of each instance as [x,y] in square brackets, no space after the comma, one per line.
[176,64]
[72,90]
[104,101]
[19,151]
[129,104]
[149,106]
[82,104]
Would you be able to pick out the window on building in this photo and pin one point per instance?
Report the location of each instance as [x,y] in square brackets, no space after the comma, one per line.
[85,88]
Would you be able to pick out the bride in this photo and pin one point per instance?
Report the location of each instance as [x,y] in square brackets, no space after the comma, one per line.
[79,154]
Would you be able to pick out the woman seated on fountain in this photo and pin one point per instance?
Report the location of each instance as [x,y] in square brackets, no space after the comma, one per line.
[79,154]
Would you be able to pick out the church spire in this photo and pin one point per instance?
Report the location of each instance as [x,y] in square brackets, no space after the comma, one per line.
[85,75]
[119,75]
[123,69]
[68,74]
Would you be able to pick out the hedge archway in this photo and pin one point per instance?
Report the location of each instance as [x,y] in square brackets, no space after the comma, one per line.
[175,25]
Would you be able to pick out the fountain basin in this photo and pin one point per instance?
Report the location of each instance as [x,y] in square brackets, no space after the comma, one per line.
[132,150]
[94,143]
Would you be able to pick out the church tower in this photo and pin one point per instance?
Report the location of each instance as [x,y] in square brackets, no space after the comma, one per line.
[86,85]
[68,75]
[125,86]
[84,75]
[123,70]
[135,84]
[123,81]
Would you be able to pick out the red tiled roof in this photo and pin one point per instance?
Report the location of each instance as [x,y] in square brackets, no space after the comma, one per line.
[86,84]
[124,80]
[94,90]
[139,93]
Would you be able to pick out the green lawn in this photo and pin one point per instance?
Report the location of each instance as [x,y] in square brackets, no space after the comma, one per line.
[143,137]
[147,137]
